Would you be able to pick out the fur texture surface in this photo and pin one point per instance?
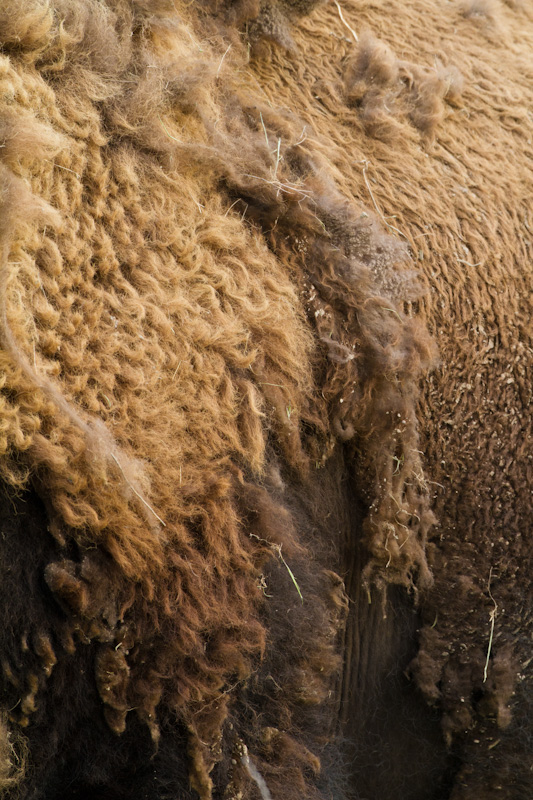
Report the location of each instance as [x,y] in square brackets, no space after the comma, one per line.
[229,237]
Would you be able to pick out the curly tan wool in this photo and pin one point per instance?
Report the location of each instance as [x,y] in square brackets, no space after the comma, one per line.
[209,218]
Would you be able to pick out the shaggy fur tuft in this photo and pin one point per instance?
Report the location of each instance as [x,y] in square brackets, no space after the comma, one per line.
[12,757]
[388,92]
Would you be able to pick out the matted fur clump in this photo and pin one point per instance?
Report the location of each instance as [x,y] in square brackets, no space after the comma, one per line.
[192,314]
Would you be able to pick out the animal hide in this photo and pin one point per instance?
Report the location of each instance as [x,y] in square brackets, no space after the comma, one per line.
[230,233]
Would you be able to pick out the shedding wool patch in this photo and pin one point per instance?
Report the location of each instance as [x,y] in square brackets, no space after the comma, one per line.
[428,118]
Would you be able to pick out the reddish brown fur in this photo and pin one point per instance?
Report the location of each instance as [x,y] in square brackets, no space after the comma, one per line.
[207,292]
